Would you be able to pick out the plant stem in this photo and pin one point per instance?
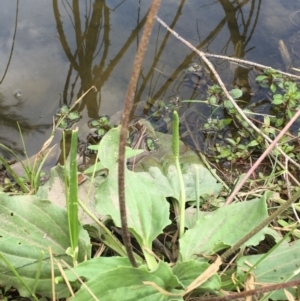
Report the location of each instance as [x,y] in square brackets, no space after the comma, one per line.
[124,124]
[175,149]
[72,200]
[150,259]
[182,199]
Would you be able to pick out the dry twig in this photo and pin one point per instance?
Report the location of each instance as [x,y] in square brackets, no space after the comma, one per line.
[124,124]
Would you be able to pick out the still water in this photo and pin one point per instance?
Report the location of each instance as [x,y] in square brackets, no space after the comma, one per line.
[53,51]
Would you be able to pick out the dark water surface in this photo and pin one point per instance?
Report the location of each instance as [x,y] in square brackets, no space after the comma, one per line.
[53,51]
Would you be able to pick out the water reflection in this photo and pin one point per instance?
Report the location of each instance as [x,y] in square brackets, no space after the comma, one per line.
[241,21]
[91,61]
[96,44]
[13,43]
[90,58]
[241,25]
[12,123]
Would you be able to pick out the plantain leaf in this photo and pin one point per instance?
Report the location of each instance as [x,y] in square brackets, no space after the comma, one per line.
[222,228]
[278,267]
[28,227]
[128,284]
[147,208]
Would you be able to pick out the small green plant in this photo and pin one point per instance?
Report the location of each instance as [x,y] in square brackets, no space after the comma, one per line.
[71,191]
[30,182]
[66,117]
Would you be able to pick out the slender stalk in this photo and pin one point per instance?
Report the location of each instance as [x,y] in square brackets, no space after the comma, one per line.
[13,43]
[72,200]
[52,272]
[241,62]
[175,148]
[124,125]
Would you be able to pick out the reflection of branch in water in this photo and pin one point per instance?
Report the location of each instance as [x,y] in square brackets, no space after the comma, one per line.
[86,41]
[113,9]
[239,34]
[93,38]
[235,37]
[13,43]
[158,54]
[220,82]
[203,45]
[88,48]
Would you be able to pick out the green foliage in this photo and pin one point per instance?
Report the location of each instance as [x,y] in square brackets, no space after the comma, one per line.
[32,168]
[71,182]
[141,198]
[285,102]
[66,117]
[30,226]
[128,283]
[269,270]
[206,235]
[162,177]
[109,278]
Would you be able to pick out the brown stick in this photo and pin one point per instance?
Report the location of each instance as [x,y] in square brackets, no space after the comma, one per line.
[257,291]
[124,124]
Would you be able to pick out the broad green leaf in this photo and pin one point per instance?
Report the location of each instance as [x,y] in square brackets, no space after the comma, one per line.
[73,115]
[188,271]
[91,268]
[279,122]
[224,152]
[161,167]
[54,190]
[198,175]
[127,284]
[278,267]
[92,168]
[222,228]
[147,208]
[264,84]
[28,226]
